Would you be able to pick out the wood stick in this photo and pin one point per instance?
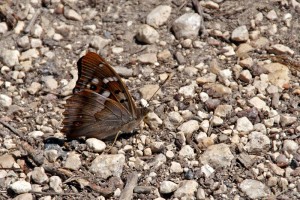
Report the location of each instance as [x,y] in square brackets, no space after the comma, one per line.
[132,180]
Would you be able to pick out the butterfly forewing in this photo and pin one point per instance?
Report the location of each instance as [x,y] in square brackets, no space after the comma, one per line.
[95,74]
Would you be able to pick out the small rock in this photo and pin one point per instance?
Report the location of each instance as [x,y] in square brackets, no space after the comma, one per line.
[73,161]
[167,187]
[95,145]
[98,42]
[258,142]
[5,100]
[218,155]
[72,14]
[9,57]
[190,71]
[281,49]
[24,42]
[158,16]
[287,120]
[240,34]
[147,34]
[147,58]
[187,26]
[243,49]
[25,196]
[108,165]
[3,27]
[164,55]
[278,74]
[245,76]
[228,51]
[39,176]
[176,168]
[254,189]
[34,88]
[217,90]
[29,54]
[7,161]
[187,152]
[55,183]
[175,117]
[223,110]
[124,71]
[51,155]
[36,31]
[290,146]
[217,121]
[180,58]
[189,126]
[148,90]
[207,78]
[186,189]
[35,43]
[20,187]
[207,170]
[50,82]
[153,120]
[187,91]
[244,125]
[257,103]
[117,50]
[272,15]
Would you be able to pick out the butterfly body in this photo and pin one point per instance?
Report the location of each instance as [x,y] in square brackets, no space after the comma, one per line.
[101,105]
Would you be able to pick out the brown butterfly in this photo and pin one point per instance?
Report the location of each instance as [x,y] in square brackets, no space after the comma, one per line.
[101,105]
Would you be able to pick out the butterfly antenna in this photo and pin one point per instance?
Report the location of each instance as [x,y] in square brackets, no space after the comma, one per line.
[162,84]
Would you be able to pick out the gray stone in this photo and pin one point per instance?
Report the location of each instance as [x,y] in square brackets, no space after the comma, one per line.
[254,189]
[50,82]
[187,91]
[223,110]
[73,161]
[159,15]
[244,125]
[147,34]
[95,145]
[167,187]
[24,42]
[108,165]
[20,187]
[9,57]
[187,152]
[98,42]
[7,161]
[176,168]
[218,155]
[189,126]
[34,88]
[29,54]
[72,14]
[39,176]
[258,142]
[25,196]
[287,120]
[186,190]
[5,100]
[3,27]
[240,34]
[187,26]
[36,31]
[290,146]
[55,183]
[148,58]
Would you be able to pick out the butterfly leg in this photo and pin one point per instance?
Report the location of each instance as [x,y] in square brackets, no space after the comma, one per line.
[116,137]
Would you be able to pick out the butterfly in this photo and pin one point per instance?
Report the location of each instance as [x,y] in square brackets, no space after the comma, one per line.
[101,105]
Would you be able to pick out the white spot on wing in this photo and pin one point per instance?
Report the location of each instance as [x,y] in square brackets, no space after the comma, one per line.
[105,80]
[105,93]
[95,81]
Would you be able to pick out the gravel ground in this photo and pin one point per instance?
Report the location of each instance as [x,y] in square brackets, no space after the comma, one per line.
[225,126]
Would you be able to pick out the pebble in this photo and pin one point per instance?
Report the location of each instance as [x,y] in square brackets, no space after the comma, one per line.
[176,167]
[207,170]
[108,165]
[281,49]
[72,14]
[187,91]
[189,126]
[218,155]
[25,196]
[217,90]
[34,88]
[9,57]
[258,142]
[39,176]
[245,76]
[164,55]
[147,91]
[243,49]
[50,82]
[207,78]
[153,120]
[258,103]
[180,58]
[36,31]
[278,74]
[55,183]
[290,146]
[157,147]
[223,110]
[146,34]
[287,120]
[3,27]
[254,189]
[20,187]
[271,15]
[186,189]
[24,42]
[244,125]
[51,155]
[175,117]
[98,42]
[73,161]
[7,161]
[95,145]
[148,58]
[190,71]
[240,34]
[187,26]
[5,100]
[187,152]
[29,54]
[167,187]
[159,15]
[229,51]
